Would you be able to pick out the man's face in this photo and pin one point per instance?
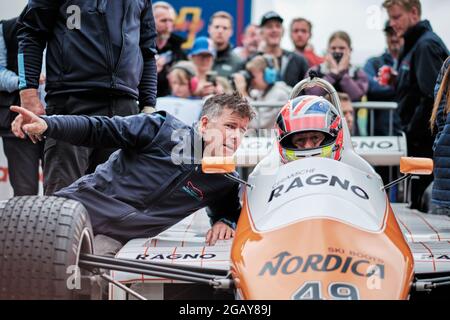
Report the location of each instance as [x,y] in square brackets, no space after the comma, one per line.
[308,140]
[272,32]
[252,38]
[164,22]
[401,20]
[394,42]
[203,62]
[223,134]
[300,34]
[220,31]
[347,110]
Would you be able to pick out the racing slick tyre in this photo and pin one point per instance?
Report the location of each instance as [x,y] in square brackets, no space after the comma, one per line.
[41,239]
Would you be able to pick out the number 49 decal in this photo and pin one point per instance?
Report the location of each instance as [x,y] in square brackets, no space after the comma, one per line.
[312,290]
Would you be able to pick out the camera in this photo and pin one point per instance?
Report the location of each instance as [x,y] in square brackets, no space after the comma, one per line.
[337,56]
[211,76]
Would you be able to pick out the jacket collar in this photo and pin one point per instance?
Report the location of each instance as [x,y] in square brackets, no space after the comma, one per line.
[224,53]
[414,33]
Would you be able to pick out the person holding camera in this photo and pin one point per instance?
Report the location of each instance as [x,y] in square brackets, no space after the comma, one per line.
[260,82]
[208,82]
[338,70]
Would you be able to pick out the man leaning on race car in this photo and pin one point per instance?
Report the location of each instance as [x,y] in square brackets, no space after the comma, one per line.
[149,185]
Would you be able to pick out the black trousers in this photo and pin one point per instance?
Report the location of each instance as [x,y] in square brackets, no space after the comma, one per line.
[23,165]
[420,148]
[65,163]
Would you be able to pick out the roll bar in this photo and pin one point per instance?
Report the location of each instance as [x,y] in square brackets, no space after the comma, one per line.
[315,81]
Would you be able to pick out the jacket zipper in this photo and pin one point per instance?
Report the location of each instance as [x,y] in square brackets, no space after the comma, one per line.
[123,41]
[108,50]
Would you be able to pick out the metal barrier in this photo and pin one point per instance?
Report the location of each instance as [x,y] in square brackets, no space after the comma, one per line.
[369,105]
[375,105]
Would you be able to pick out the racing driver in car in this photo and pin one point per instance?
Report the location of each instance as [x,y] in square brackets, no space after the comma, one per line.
[309,126]
[155,179]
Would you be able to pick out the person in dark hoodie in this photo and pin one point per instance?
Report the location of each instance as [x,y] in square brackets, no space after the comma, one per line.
[99,61]
[220,30]
[168,44]
[418,68]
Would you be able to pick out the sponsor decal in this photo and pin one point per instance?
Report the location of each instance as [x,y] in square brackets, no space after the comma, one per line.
[184,256]
[287,264]
[193,191]
[435,257]
[405,66]
[312,290]
[318,180]
[356,254]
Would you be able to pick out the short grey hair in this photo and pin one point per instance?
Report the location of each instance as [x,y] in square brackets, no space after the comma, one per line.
[214,106]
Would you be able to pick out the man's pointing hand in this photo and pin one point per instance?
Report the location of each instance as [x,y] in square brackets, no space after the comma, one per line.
[28,123]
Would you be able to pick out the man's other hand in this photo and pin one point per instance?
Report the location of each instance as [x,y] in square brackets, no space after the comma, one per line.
[219,231]
[28,123]
[29,99]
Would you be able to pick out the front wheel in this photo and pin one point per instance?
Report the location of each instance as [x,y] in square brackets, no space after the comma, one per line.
[41,239]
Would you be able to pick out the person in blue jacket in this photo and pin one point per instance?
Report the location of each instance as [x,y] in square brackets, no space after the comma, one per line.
[155,179]
[378,92]
[440,120]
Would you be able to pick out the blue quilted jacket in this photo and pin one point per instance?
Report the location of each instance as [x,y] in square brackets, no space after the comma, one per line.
[441,187]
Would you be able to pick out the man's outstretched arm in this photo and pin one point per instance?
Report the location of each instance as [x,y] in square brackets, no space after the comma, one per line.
[118,132]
